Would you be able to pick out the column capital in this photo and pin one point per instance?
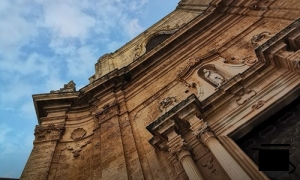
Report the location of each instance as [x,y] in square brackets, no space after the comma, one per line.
[204,132]
[176,145]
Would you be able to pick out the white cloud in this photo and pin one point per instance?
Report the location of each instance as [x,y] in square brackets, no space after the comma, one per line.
[45,44]
[66,19]
[16,30]
[81,61]
[4,130]
[133,28]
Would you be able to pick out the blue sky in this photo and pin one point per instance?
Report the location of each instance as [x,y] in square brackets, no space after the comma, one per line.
[45,44]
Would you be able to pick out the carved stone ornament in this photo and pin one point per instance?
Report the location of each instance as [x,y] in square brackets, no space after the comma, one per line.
[296,63]
[166,102]
[258,105]
[49,132]
[255,4]
[209,165]
[70,87]
[137,51]
[244,96]
[193,62]
[190,63]
[259,37]
[78,133]
[234,62]
[239,62]
[202,128]
[78,148]
[214,77]
[107,111]
[177,147]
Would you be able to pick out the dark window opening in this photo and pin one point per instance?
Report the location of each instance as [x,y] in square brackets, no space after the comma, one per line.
[281,128]
[156,41]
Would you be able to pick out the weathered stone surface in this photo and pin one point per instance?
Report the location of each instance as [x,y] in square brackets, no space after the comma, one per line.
[135,97]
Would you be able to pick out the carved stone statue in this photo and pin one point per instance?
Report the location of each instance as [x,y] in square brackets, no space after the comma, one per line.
[214,77]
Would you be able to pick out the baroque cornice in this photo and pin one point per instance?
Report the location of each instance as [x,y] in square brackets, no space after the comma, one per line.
[117,73]
[192,99]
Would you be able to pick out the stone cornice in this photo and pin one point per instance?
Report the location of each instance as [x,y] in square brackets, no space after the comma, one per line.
[49,102]
[118,73]
[181,107]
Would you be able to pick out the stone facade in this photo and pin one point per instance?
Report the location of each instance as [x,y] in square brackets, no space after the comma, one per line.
[176,110]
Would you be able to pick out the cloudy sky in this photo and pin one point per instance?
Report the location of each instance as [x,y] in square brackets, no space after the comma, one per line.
[45,44]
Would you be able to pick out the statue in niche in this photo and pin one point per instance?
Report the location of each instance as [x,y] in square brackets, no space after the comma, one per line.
[214,77]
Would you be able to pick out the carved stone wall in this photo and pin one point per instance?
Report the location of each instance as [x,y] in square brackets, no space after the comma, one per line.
[103,133]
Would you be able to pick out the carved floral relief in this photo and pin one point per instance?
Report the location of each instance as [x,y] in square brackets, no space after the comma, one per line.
[259,37]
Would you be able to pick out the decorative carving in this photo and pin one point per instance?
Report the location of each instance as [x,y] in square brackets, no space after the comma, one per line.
[258,105]
[255,4]
[209,164]
[107,111]
[78,148]
[137,51]
[50,132]
[244,96]
[214,77]
[166,102]
[249,60]
[78,133]
[192,62]
[201,129]
[233,62]
[259,37]
[178,147]
[162,118]
[239,62]
[296,63]
[70,87]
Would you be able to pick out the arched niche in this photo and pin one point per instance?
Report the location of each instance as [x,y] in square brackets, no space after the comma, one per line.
[156,40]
[152,41]
[212,75]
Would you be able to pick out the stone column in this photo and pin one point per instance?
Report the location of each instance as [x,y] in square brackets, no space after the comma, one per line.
[231,167]
[178,147]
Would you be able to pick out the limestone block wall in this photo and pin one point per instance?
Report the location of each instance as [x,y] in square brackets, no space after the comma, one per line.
[100,131]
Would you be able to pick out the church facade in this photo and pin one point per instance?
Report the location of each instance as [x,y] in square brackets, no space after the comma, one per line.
[189,98]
